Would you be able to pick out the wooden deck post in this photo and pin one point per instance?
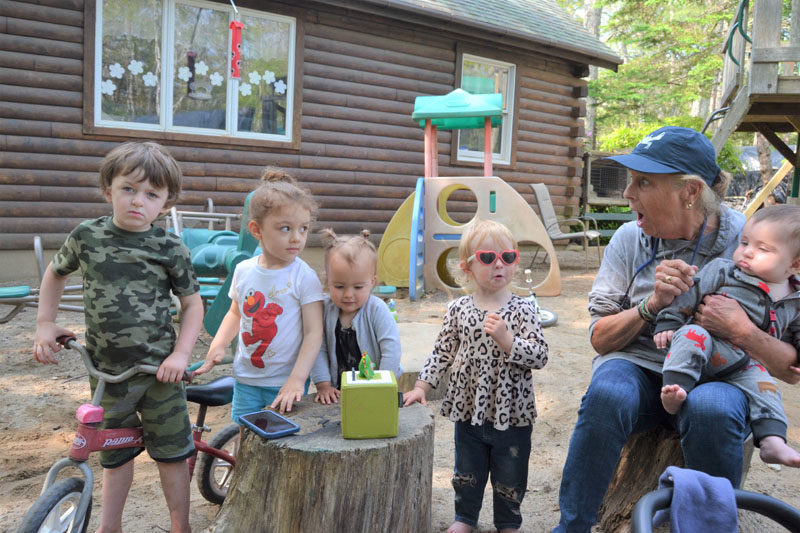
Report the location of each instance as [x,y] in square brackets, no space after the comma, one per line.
[766,34]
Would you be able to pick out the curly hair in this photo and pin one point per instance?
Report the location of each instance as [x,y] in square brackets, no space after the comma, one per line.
[279,189]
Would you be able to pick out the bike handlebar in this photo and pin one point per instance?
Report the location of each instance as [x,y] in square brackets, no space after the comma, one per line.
[71,343]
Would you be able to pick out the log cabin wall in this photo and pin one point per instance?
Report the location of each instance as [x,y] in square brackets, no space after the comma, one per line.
[360,153]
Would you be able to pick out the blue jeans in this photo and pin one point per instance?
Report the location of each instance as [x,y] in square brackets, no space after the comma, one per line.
[481,450]
[624,398]
[250,398]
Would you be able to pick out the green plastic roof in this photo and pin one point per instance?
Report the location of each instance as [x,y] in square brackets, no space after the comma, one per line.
[458,110]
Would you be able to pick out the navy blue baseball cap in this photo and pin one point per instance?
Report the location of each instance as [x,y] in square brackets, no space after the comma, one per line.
[673,149]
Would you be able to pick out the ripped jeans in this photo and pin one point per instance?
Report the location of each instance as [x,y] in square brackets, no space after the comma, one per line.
[481,450]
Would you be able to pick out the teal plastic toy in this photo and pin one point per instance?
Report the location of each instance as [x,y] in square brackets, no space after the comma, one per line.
[195,237]
[245,248]
[458,109]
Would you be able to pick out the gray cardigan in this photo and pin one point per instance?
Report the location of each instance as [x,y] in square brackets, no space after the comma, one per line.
[376,333]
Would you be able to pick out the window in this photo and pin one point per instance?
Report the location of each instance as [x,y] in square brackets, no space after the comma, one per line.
[164,65]
[481,76]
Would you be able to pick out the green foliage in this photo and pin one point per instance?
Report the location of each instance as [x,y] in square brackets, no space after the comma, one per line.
[626,137]
[672,58]
[607,224]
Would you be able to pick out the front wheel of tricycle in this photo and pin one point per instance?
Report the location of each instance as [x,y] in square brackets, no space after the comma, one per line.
[56,508]
[547,318]
[215,474]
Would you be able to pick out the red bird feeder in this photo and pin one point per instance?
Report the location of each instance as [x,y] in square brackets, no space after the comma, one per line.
[236,48]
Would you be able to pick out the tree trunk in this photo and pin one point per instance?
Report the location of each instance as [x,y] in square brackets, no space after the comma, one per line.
[644,458]
[764,157]
[593,15]
[316,480]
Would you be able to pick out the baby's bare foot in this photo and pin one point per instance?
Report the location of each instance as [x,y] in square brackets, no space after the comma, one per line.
[459,527]
[774,450]
[672,398]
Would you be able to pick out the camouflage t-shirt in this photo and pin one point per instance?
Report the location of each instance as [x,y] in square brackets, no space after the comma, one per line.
[127,277]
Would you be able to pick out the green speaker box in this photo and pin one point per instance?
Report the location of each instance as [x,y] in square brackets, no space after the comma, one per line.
[369,406]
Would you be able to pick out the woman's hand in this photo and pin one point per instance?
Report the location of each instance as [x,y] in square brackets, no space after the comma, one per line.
[722,317]
[673,277]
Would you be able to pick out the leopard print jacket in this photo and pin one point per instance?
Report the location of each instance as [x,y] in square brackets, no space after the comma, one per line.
[486,384]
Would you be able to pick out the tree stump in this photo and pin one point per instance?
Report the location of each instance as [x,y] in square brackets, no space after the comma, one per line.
[407,381]
[644,458]
[316,480]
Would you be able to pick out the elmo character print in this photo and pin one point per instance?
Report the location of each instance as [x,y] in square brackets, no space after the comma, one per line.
[263,328]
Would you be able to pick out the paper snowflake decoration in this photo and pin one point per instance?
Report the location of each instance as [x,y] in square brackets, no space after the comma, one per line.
[269,77]
[201,68]
[280,87]
[216,79]
[116,70]
[255,77]
[184,73]
[245,89]
[135,67]
[108,87]
[150,79]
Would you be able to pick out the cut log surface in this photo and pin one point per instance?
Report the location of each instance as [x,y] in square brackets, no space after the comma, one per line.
[317,480]
[644,458]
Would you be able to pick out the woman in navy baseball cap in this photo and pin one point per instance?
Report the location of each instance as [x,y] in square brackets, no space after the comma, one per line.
[676,189]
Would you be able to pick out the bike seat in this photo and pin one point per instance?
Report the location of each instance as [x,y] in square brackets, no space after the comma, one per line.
[214,393]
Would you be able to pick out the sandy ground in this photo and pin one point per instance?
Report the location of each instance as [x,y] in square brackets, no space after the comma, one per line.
[36,418]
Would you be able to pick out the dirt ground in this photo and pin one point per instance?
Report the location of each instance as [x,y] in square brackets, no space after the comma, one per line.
[37,420]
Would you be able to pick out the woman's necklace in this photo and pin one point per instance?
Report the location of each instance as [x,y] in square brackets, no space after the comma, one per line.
[699,238]
[626,300]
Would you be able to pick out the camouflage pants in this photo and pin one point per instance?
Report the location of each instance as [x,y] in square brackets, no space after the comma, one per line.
[161,410]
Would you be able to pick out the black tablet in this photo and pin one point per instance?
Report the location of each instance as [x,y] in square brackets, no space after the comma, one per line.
[269,424]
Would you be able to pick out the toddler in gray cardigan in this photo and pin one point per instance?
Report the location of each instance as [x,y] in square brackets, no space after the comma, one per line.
[354,320]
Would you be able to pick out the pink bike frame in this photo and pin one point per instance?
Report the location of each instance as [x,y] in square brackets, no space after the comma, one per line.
[90,439]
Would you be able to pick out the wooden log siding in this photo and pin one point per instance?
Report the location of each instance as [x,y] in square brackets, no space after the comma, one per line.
[64,12]
[360,152]
[41,63]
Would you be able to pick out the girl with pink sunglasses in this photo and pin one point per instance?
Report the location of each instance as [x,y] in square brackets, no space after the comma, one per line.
[490,341]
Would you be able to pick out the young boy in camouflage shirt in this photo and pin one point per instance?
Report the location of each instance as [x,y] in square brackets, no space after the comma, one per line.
[129,267]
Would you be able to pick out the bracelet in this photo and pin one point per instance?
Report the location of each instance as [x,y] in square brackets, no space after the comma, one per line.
[646,315]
